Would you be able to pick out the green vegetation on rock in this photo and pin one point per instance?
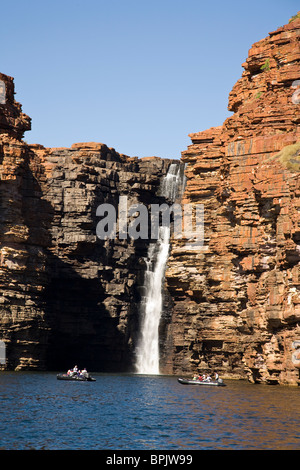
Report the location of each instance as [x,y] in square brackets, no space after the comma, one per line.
[289,157]
[295,17]
[266,66]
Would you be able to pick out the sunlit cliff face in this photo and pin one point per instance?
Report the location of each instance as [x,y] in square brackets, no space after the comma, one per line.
[233,306]
[236,302]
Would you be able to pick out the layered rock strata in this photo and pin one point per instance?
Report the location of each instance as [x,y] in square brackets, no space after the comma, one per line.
[65,293]
[236,303]
[232,305]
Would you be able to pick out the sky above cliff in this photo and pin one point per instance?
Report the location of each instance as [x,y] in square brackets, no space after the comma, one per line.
[136,75]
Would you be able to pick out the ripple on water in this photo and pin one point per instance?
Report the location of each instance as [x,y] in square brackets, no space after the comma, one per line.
[140,412]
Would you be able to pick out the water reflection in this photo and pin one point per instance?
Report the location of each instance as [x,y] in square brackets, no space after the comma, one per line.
[140,412]
[244,416]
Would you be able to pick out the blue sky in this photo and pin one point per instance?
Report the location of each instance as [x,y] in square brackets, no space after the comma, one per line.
[138,76]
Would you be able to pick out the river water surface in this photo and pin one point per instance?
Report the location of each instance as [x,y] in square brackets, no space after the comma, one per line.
[133,412]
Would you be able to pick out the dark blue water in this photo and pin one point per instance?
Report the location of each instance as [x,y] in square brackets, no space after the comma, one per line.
[144,413]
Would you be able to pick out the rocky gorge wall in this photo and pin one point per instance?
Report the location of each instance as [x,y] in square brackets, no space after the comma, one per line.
[236,303]
[65,293]
[231,306]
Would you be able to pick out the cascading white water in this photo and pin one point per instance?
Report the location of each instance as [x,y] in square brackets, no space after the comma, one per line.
[148,349]
[147,353]
[171,182]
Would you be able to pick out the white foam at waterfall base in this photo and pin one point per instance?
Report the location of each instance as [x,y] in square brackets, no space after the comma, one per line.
[148,347]
[147,352]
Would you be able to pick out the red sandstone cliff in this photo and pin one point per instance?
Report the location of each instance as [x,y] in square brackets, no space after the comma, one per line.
[236,301]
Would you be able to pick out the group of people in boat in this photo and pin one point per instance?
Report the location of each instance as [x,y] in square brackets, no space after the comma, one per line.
[206,378]
[75,371]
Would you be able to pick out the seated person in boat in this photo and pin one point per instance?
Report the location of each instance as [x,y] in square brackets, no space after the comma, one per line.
[84,373]
[73,371]
[205,378]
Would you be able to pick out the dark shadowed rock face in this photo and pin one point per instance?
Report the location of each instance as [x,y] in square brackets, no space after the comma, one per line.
[67,295]
[231,306]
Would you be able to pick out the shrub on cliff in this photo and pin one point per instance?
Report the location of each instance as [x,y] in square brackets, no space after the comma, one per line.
[289,157]
[295,17]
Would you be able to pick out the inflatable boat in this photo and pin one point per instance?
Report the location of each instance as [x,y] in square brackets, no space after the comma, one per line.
[75,377]
[216,383]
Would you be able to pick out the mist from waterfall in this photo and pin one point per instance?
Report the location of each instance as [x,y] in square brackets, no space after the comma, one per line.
[147,352]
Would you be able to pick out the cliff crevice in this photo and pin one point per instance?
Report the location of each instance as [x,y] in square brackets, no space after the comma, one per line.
[233,305]
[236,300]
[65,293]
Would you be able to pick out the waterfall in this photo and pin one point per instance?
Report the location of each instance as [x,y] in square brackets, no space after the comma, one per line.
[147,353]
[148,348]
[171,182]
